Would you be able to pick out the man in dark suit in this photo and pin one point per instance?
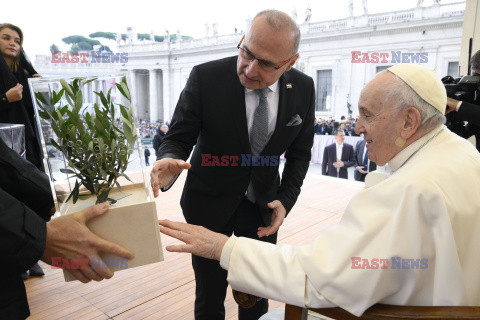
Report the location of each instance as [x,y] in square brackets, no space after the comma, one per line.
[337,157]
[233,184]
[363,165]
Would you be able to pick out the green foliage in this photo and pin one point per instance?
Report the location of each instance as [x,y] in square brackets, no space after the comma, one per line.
[146,36]
[96,148]
[75,49]
[85,45]
[53,47]
[173,37]
[77,39]
[107,35]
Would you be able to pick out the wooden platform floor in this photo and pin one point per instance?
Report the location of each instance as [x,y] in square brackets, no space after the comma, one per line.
[166,290]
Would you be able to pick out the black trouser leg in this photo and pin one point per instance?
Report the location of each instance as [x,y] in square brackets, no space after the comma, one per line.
[247,221]
[211,279]
[211,289]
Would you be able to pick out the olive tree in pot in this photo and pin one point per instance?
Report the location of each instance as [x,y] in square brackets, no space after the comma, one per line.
[96,146]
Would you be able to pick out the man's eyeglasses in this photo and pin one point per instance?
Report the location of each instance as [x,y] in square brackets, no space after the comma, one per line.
[264,64]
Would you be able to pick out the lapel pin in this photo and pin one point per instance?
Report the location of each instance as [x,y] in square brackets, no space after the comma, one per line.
[289,86]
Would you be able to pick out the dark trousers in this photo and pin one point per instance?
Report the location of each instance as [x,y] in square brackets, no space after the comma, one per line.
[211,279]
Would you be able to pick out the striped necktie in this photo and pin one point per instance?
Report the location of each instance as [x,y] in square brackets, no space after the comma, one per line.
[259,132]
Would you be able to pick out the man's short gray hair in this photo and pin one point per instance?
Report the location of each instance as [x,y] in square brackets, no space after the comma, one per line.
[403,97]
[279,20]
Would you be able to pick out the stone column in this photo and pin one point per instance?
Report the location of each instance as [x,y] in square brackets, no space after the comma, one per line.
[166,95]
[153,96]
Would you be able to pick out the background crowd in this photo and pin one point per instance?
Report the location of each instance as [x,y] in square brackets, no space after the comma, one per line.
[329,125]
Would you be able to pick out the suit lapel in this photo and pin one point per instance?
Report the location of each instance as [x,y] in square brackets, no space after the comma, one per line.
[237,106]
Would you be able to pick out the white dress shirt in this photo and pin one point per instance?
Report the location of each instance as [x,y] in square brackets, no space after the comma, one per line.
[339,155]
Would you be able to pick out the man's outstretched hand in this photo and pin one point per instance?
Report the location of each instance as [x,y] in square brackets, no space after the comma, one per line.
[164,171]
[69,238]
[278,216]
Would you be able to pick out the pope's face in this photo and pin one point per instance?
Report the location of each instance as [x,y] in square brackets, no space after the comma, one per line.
[378,121]
[269,45]
[9,43]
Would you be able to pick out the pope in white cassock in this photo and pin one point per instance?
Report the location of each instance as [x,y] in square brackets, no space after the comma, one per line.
[423,218]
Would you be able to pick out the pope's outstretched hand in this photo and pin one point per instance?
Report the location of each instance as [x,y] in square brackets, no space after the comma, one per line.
[197,240]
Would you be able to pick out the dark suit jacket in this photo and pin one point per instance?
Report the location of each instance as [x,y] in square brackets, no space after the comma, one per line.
[157,141]
[25,203]
[471,113]
[359,157]
[330,156]
[212,102]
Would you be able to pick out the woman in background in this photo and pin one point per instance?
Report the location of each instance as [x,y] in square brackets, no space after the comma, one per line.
[16,104]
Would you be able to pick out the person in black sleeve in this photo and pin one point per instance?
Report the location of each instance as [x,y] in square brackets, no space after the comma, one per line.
[466,111]
[26,204]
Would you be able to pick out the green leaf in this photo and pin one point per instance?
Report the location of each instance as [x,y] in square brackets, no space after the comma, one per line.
[126,177]
[41,98]
[99,125]
[126,92]
[76,192]
[118,186]
[55,144]
[79,100]
[69,100]
[90,80]
[57,96]
[102,98]
[44,114]
[101,145]
[75,85]
[102,197]
[67,87]
[68,171]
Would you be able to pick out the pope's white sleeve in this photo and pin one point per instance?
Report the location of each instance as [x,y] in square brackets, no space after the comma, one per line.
[269,271]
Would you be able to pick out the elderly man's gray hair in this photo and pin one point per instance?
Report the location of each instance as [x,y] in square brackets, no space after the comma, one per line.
[403,97]
[279,20]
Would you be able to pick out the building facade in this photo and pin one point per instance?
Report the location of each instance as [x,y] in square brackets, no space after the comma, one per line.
[340,55]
